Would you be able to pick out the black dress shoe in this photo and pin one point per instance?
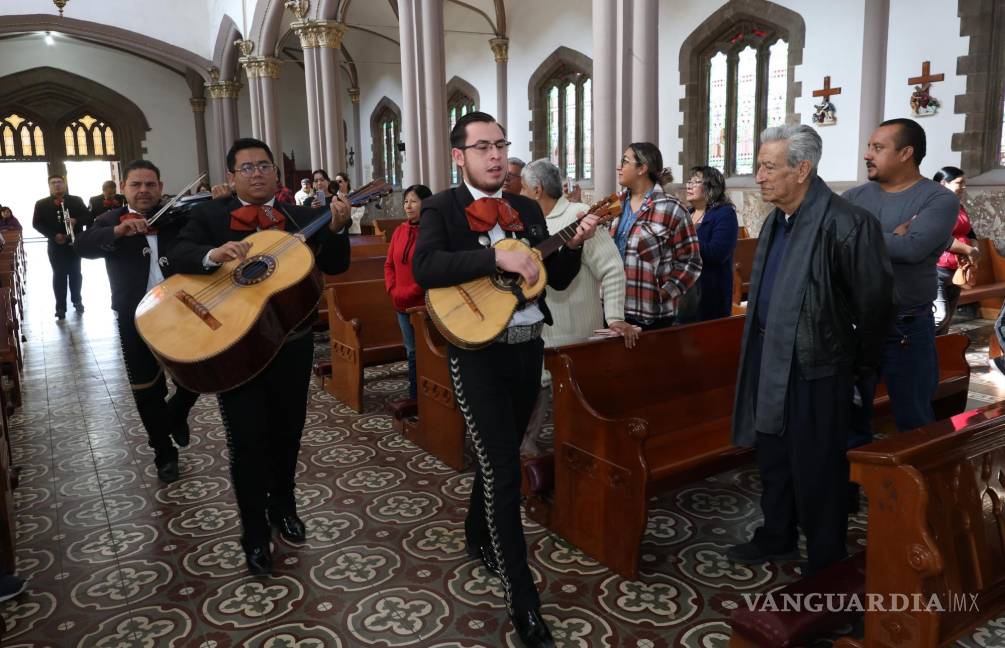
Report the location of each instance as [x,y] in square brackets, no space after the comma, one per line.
[79,307]
[259,559]
[532,629]
[167,472]
[180,433]
[290,526]
[61,314]
[750,553]
[487,556]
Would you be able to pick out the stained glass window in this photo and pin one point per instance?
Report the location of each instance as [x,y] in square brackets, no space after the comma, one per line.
[778,83]
[570,131]
[109,141]
[717,112]
[553,127]
[71,147]
[385,133]
[748,69]
[21,138]
[1001,148]
[89,137]
[746,110]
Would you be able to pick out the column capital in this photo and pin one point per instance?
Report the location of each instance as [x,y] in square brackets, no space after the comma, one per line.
[354,95]
[224,89]
[245,46]
[298,8]
[319,33]
[198,104]
[263,67]
[500,47]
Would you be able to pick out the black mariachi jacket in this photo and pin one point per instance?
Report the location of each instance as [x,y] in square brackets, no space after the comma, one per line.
[97,204]
[127,258]
[46,217]
[448,252]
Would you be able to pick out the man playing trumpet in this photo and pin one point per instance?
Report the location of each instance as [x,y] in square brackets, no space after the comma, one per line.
[59,218]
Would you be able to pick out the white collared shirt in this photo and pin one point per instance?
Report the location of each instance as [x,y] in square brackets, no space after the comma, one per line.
[154,276]
[531,314]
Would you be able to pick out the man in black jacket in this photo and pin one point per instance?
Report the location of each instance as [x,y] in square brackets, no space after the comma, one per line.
[495,386]
[264,417]
[819,308]
[135,258]
[106,200]
[50,219]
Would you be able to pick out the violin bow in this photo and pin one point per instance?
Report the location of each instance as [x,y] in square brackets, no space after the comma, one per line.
[178,196]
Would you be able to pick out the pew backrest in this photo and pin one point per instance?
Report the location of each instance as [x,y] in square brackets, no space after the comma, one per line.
[360,269]
[366,306]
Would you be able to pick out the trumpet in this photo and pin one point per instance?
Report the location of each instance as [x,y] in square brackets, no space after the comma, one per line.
[65,218]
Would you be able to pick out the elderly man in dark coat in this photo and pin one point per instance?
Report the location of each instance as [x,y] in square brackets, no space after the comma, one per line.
[820,306]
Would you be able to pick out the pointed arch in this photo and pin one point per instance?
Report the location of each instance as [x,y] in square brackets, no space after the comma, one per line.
[761,15]
[385,140]
[225,54]
[558,89]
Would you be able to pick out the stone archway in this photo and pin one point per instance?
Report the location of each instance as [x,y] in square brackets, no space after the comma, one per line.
[55,98]
[561,61]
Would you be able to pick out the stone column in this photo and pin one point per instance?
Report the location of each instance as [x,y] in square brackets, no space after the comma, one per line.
[199,113]
[605,61]
[418,56]
[307,32]
[500,48]
[223,96]
[437,153]
[265,102]
[645,71]
[623,115]
[357,139]
[329,54]
[254,92]
[410,98]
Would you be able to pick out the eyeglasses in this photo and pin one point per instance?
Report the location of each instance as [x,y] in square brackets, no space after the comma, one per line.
[625,161]
[482,146]
[694,183]
[249,169]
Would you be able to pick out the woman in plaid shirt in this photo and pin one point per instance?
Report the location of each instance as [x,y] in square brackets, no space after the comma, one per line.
[656,240]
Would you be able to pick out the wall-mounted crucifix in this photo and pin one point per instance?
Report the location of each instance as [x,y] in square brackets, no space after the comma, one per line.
[923,104]
[825,113]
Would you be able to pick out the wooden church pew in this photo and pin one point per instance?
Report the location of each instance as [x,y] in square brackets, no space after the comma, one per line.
[364,332]
[620,440]
[743,261]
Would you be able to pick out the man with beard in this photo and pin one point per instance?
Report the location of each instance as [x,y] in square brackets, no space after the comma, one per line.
[135,257]
[495,386]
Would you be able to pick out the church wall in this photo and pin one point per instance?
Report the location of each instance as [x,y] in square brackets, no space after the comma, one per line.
[293,135]
[470,58]
[927,31]
[161,94]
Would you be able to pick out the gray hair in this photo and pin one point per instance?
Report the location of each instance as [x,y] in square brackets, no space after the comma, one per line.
[804,142]
[517,161]
[542,173]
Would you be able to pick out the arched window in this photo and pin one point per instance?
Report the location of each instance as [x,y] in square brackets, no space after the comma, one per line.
[385,132]
[738,72]
[20,138]
[561,93]
[458,105]
[89,137]
[747,89]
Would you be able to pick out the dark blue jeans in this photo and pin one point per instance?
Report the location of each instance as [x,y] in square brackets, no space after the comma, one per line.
[910,367]
[408,336]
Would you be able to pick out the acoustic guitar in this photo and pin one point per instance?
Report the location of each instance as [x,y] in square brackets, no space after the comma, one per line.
[472,314]
[215,332]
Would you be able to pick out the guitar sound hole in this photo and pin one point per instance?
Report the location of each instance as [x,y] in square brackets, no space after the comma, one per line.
[254,270]
[506,280]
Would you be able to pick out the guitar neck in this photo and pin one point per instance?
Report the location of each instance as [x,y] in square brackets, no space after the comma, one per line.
[365,194]
[557,240]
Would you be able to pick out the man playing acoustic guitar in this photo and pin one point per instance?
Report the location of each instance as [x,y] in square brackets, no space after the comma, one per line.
[495,386]
[264,417]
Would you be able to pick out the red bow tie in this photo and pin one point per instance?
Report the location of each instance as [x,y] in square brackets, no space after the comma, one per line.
[134,216]
[256,217]
[111,202]
[484,213]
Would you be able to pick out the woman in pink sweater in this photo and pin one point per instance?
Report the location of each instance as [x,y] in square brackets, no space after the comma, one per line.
[398,279]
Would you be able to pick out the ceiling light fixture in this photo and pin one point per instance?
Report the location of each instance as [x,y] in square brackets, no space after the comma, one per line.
[60,4]
[49,40]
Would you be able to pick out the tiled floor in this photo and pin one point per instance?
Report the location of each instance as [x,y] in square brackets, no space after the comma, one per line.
[116,559]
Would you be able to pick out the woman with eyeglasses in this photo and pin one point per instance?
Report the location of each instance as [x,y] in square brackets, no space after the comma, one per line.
[656,240]
[714,219]
[342,189]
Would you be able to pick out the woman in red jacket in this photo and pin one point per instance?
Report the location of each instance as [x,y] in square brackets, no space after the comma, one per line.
[398,280]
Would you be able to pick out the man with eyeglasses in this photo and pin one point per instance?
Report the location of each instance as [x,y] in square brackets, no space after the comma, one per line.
[264,417]
[514,181]
[495,386]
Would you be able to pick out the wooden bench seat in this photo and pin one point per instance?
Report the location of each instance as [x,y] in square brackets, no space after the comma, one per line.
[990,289]
[367,245]
[364,332]
[621,439]
[367,268]
[743,261]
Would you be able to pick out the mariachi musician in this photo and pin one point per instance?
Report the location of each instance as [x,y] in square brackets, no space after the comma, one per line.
[134,254]
[106,200]
[60,218]
[264,417]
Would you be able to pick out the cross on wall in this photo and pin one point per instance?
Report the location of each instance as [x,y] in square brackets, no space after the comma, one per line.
[827,90]
[926,75]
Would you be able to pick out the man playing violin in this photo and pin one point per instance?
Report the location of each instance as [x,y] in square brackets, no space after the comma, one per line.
[264,417]
[136,261]
[495,386]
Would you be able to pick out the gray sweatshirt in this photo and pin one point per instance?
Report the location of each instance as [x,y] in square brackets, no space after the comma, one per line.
[914,254]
